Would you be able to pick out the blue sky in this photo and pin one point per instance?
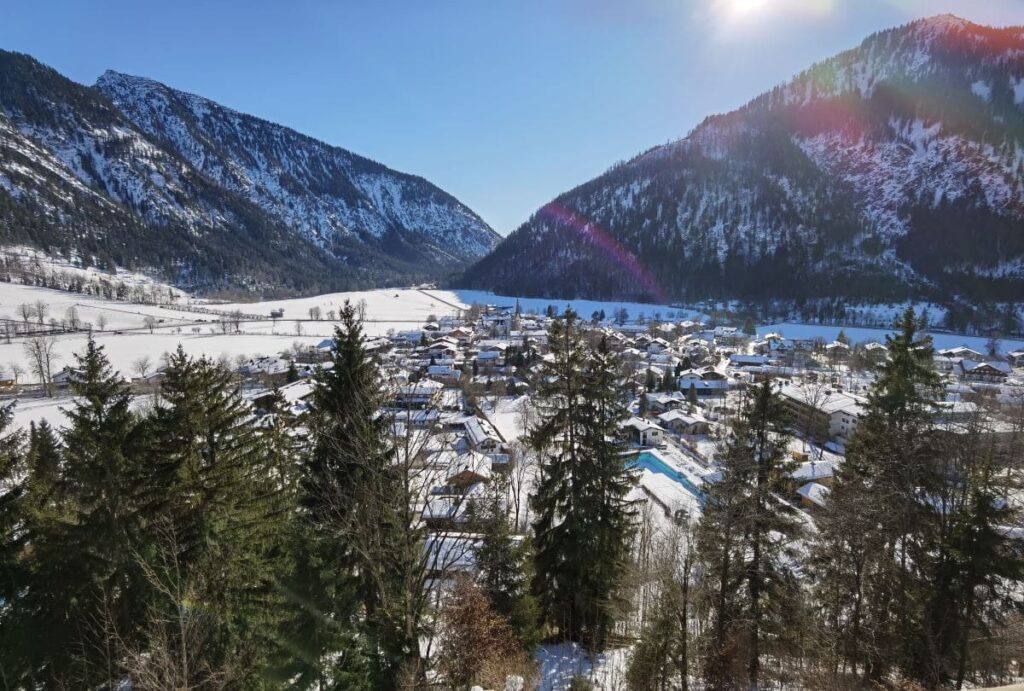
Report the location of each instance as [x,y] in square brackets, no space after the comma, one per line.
[503,104]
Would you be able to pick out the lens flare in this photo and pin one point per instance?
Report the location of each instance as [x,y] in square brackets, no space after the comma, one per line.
[603,242]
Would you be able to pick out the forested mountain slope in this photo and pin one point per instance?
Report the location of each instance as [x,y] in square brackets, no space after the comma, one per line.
[894,169]
[79,177]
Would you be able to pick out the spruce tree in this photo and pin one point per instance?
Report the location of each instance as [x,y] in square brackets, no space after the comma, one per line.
[13,577]
[504,564]
[224,513]
[745,545]
[871,533]
[352,497]
[972,564]
[584,523]
[88,595]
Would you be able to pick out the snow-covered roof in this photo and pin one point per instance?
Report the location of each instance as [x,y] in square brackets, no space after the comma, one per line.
[815,493]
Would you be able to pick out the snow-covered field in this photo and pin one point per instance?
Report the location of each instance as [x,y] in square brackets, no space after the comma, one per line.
[860,334]
[584,308]
[118,315]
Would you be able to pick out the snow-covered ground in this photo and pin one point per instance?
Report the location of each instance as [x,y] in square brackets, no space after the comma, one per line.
[560,663]
[37,261]
[118,315]
[584,308]
[860,334]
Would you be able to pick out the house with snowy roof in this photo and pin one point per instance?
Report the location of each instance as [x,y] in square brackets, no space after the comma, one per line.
[684,423]
[643,432]
[813,495]
[992,372]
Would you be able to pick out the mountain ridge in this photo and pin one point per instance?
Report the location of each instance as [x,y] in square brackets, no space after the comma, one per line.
[80,176]
[832,178]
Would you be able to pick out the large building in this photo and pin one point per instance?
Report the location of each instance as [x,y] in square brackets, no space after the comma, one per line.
[822,413]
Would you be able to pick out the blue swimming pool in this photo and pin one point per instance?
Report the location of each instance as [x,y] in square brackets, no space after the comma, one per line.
[649,461]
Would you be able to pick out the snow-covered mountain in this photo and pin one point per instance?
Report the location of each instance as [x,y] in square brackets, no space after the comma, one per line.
[893,169]
[212,198]
[326,193]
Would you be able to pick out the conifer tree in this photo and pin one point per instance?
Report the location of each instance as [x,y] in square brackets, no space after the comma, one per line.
[972,564]
[44,461]
[224,509]
[505,565]
[353,499]
[584,523]
[871,534]
[12,541]
[745,540]
[691,394]
[86,583]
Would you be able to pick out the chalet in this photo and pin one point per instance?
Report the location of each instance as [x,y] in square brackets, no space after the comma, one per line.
[296,396]
[739,361]
[447,555]
[491,357]
[461,335]
[644,433]
[657,346]
[729,336]
[426,418]
[62,378]
[960,352]
[991,372]
[266,366]
[837,350]
[1016,358]
[447,508]
[660,402]
[683,423]
[418,395]
[705,382]
[468,469]
[8,381]
[483,436]
[821,472]
[442,347]
[446,374]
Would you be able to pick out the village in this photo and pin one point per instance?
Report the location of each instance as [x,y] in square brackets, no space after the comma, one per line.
[461,388]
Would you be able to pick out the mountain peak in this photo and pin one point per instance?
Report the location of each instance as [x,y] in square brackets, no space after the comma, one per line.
[209,196]
[945,21]
[891,170]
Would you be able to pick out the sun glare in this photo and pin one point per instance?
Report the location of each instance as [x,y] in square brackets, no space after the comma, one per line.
[745,7]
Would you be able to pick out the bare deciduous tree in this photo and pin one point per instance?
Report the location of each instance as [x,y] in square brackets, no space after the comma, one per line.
[72,318]
[41,309]
[25,311]
[17,370]
[41,355]
[143,366]
[182,641]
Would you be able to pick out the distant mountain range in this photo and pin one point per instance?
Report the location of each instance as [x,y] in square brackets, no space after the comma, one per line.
[891,170]
[132,173]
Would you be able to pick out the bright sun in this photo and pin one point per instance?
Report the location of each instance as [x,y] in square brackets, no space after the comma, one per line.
[741,7]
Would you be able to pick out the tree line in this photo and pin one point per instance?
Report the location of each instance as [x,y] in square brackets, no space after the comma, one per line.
[191,544]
